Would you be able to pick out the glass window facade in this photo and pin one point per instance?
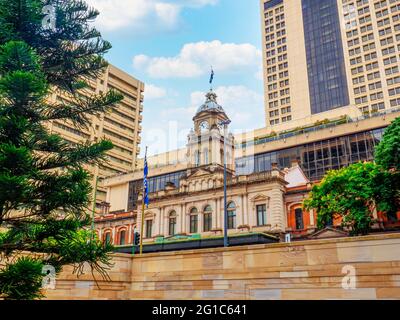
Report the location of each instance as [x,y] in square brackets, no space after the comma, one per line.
[271,3]
[318,157]
[157,183]
[325,58]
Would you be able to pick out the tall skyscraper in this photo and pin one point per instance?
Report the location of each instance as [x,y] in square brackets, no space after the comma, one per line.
[122,125]
[327,58]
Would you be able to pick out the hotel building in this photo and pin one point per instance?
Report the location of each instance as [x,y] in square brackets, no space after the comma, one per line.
[327,58]
[121,125]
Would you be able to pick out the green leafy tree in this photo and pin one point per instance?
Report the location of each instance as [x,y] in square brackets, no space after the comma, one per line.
[44,188]
[387,155]
[349,193]
[354,192]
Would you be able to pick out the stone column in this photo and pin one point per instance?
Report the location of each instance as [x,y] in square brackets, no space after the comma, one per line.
[312,222]
[165,226]
[161,221]
[218,214]
[157,221]
[242,211]
[183,219]
[200,219]
[277,209]
[215,214]
[130,231]
[250,213]
[246,208]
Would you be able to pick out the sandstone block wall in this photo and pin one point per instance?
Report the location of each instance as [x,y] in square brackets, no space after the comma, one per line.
[300,270]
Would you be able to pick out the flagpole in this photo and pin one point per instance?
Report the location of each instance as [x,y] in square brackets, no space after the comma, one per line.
[211,78]
[142,220]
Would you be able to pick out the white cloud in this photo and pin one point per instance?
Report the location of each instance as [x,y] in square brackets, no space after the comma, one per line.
[119,14]
[152,92]
[195,59]
[168,13]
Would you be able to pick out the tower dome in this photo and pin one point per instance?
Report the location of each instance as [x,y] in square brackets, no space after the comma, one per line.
[211,104]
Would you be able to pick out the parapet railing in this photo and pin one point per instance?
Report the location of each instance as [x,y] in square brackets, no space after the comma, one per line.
[296,132]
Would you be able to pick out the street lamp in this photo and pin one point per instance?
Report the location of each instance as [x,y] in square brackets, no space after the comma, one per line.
[225,125]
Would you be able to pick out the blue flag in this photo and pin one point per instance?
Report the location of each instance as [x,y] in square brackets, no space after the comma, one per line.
[145,185]
[212,76]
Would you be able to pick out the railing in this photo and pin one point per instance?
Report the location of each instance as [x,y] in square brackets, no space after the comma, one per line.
[285,135]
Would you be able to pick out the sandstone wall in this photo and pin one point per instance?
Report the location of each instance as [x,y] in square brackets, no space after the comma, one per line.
[300,270]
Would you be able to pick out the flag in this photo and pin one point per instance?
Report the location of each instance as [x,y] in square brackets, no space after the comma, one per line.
[212,76]
[145,186]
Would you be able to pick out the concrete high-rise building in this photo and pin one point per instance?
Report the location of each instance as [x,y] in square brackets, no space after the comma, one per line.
[328,58]
[122,125]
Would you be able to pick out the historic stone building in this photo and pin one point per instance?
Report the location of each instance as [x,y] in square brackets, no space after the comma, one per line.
[188,198]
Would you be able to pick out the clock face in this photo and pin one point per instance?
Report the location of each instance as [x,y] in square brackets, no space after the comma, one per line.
[204,126]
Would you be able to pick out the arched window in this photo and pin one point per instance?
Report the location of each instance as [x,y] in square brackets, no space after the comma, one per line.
[107,237]
[172,223]
[194,220]
[231,215]
[197,158]
[194,211]
[122,235]
[207,218]
[299,219]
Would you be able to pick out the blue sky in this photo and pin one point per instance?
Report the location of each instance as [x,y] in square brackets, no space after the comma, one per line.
[171,44]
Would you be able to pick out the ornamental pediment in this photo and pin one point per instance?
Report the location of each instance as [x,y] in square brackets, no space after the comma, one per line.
[201,173]
[329,232]
[259,197]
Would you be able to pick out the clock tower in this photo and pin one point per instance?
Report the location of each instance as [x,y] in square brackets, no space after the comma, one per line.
[206,142]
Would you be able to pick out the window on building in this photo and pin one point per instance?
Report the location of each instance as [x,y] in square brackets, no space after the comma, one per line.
[299,219]
[107,238]
[197,158]
[194,220]
[122,236]
[149,228]
[231,215]
[172,223]
[206,160]
[207,223]
[261,215]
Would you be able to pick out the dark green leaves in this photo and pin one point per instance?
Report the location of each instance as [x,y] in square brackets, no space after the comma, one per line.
[22,279]
[45,191]
[388,151]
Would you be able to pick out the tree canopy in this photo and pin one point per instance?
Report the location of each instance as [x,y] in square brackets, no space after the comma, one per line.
[45,190]
[354,192]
